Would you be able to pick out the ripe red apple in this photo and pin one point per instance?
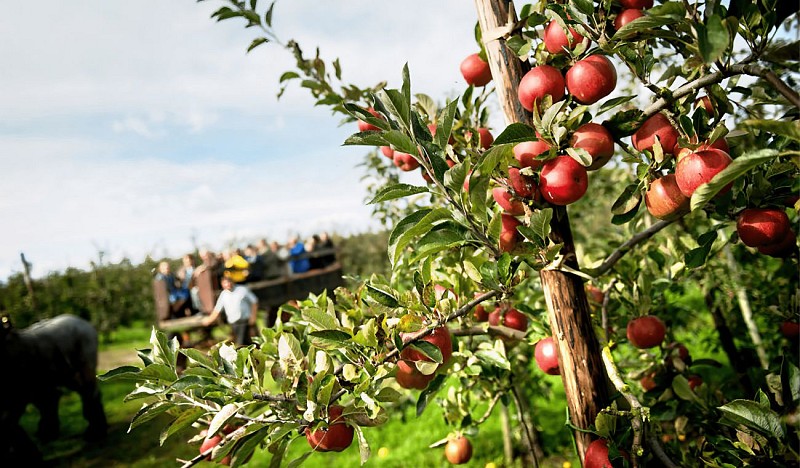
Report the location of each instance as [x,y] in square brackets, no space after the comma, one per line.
[591,79]
[597,455]
[479,313]
[563,180]
[506,202]
[388,152]
[212,442]
[364,126]
[626,16]
[512,319]
[700,167]
[595,294]
[597,141]
[409,377]
[509,236]
[664,199]
[657,125]
[537,83]
[485,138]
[762,226]
[648,382]
[524,186]
[790,330]
[336,437]
[458,450]
[405,161]
[640,4]
[720,144]
[440,337]
[475,71]
[695,381]
[681,351]
[546,356]
[527,151]
[782,249]
[555,39]
[646,332]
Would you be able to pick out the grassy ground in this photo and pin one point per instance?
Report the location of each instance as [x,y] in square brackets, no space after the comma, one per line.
[402,442]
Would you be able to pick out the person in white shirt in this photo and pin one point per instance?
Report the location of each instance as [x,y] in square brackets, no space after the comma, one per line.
[240,306]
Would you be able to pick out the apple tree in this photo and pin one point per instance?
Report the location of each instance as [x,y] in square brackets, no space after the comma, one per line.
[681,188]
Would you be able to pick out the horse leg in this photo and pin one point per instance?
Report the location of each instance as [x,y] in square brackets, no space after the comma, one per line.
[93,412]
[49,424]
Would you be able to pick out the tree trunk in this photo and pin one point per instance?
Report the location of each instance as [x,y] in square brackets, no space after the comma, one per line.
[568,309]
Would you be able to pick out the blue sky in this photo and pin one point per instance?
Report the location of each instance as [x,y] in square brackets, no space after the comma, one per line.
[134,127]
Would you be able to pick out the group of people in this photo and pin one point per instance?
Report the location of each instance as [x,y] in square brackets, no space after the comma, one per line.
[235,267]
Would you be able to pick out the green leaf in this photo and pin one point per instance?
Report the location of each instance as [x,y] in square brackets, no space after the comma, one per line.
[363,445]
[540,223]
[682,389]
[382,297]
[628,200]
[429,350]
[756,417]
[712,38]
[494,358]
[444,126]
[696,257]
[785,128]
[221,418]
[367,334]
[395,191]
[159,372]
[199,357]
[401,142]
[257,42]
[516,133]
[320,320]
[268,14]
[581,155]
[122,373]
[437,241]
[184,420]
[335,337]
[612,103]
[369,138]
[149,412]
[430,391]
[397,105]
[416,224]
[736,169]
[299,460]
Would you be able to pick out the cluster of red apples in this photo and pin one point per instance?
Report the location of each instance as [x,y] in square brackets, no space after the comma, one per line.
[630,10]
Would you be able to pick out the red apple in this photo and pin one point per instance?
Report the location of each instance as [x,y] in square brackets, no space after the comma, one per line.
[595,294]
[648,382]
[210,443]
[336,437]
[506,202]
[537,83]
[475,71]
[681,351]
[646,332]
[695,381]
[597,455]
[705,103]
[699,168]
[720,144]
[563,180]
[664,199]
[440,337]
[388,152]
[546,356]
[524,186]
[458,450]
[409,377]
[657,125]
[790,330]
[527,151]
[405,161]
[640,4]
[555,39]
[485,138]
[509,236]
[626,16]
[479,313]
[591,79]
[762,226]
[597,141]
[364,126]
[512,319]
[783,249]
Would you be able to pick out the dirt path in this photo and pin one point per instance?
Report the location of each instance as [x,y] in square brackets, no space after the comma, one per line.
[113,358]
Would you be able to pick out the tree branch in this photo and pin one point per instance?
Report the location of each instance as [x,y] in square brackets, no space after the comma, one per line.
[626,247]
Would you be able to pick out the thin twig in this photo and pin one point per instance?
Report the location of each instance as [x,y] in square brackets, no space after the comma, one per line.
[626,247]
[525,429]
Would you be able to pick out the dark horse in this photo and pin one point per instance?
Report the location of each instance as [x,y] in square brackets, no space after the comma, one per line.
[38,361]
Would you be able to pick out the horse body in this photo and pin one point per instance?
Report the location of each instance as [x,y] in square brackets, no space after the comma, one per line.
[48,355]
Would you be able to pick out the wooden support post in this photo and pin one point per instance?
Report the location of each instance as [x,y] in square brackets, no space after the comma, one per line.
[580,359]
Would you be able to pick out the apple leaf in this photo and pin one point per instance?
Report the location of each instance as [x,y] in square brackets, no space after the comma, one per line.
[736,169]
[381,296]
[713,38]
[400,141]
[123,373]
[363,445]
[540,224]
[516,133]
[431,390]
[581,155]
[415,224]
[696,257]
[184,420]
[395,191]
[615,102]
[368,138]
[444,126]
[301,459]
[455,176]
[437,241]
[397,105]
[753,415]
[429,350]
[148,412]
[493,358]
[785,128]
[257,42]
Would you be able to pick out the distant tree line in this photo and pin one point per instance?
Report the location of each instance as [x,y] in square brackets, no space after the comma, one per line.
[112,295]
